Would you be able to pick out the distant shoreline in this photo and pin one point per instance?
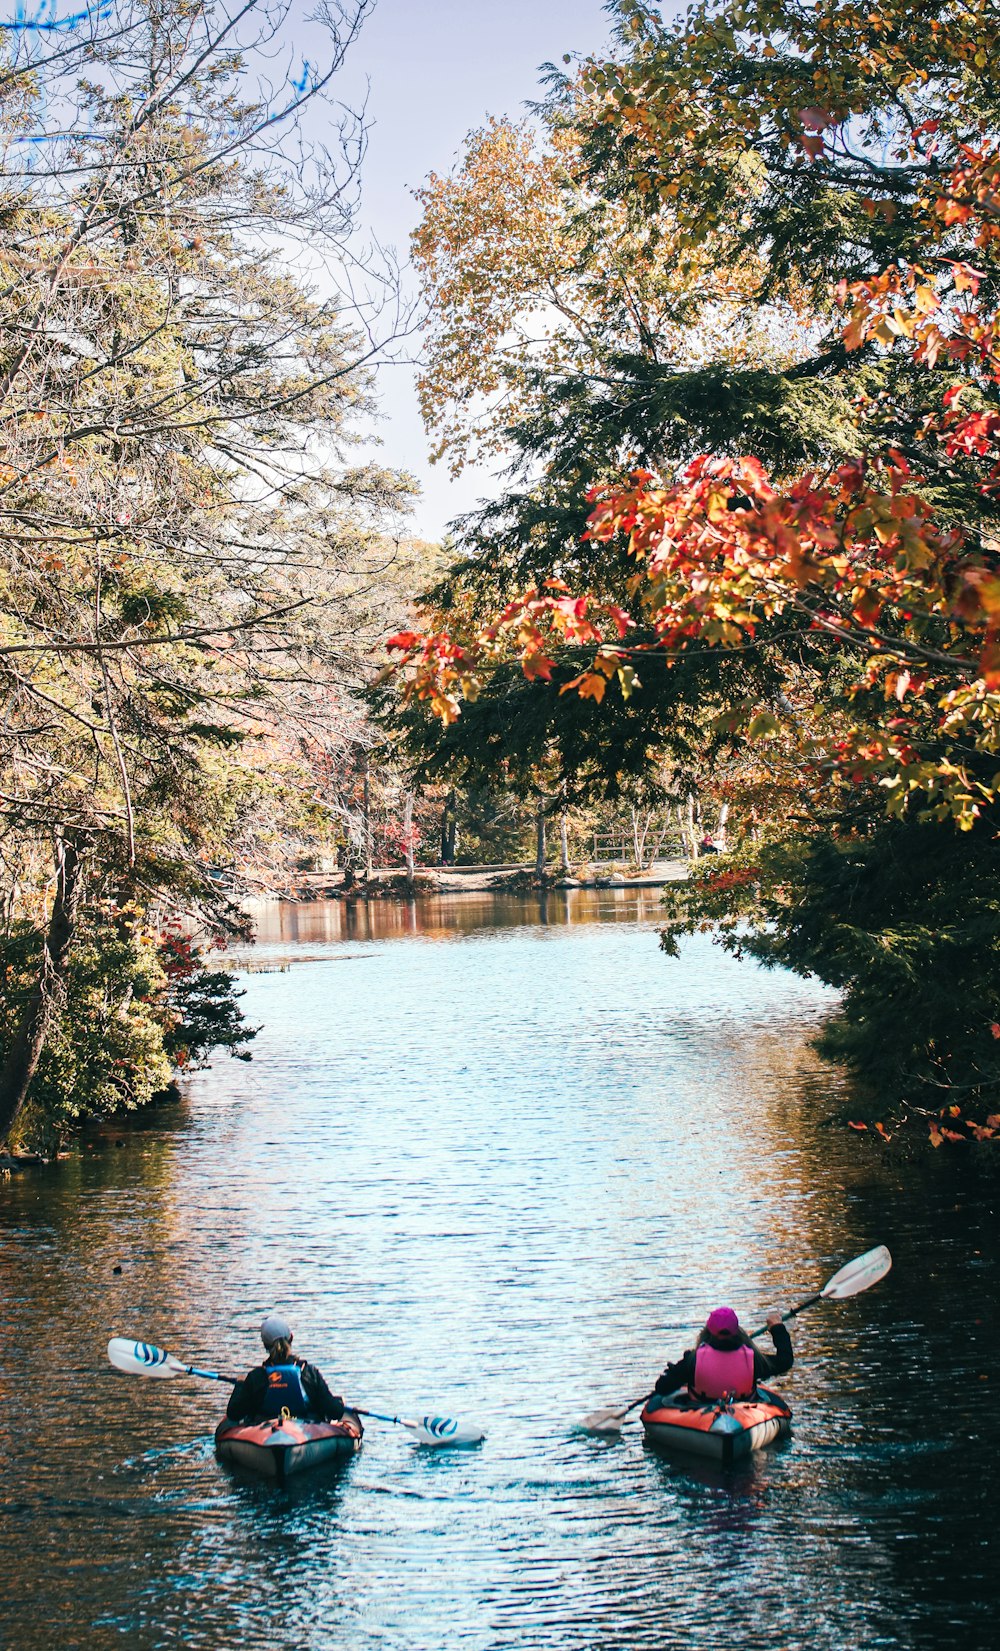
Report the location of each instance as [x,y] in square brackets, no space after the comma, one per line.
[389,883]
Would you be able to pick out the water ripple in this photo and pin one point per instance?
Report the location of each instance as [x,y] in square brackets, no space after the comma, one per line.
[499,1170]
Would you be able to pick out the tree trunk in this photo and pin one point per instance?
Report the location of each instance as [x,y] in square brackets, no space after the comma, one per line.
[408,836]
[43,1006]
[540,839]
[692,831]
[641,825]
[720,836]
[367,814]
[449,830]
[564,865]
[655,851]
[681,830]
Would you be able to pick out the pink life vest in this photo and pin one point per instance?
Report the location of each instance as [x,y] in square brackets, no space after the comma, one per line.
[717,1373]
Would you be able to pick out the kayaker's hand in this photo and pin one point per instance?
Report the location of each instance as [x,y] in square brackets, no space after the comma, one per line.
[774,1317]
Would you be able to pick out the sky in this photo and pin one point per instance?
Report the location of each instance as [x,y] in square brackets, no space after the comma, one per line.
[436,69]
[431,71]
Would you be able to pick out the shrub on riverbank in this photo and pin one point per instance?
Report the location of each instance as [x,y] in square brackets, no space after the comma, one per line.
[136,1011]
[905,922]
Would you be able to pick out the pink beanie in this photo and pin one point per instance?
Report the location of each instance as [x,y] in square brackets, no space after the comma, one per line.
[722,1322]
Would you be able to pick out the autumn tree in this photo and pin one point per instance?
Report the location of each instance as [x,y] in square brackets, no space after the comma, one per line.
[534,281]
[802,545]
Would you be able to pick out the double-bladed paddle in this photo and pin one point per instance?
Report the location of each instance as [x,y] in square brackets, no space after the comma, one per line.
[854,1277]
[140,1358]
[432,1430]
[857,1275]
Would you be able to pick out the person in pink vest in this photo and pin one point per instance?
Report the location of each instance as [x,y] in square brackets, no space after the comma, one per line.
[724,1360]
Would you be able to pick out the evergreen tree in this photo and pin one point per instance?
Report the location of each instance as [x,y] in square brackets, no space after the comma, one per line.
[774,553]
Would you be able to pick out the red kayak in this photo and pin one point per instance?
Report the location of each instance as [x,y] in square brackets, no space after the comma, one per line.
[725,1431]
[285,1446]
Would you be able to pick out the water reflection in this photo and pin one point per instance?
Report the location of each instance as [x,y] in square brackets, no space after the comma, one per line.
[504,1176]
[446,916]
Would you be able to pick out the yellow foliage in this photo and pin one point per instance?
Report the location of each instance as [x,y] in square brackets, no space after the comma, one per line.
[523,269]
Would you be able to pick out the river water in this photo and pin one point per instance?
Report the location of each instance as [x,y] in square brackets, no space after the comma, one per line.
[497,1160]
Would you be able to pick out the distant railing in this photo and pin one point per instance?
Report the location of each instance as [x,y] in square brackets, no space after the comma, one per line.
[653,839]
[612,845]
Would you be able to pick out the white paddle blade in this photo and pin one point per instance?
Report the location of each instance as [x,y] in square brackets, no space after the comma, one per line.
[603,1421]
[444,1430]
[140,1358]
[859,1274]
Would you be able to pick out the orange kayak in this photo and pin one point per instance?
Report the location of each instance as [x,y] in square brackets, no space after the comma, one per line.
[285,1446]
[724,1431]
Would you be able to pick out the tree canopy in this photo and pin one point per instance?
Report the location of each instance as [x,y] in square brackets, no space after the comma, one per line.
[775,531]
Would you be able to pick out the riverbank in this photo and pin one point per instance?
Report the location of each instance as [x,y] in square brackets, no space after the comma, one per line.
[390,882]
[11,1162]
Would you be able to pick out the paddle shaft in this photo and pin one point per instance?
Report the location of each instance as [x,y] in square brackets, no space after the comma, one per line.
[617,1415]
[793,1312]
[854,1277]
[377,1416]
[178,1368]
[214,1376]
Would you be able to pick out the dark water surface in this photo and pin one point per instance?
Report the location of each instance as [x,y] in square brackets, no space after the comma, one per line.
[499,1161]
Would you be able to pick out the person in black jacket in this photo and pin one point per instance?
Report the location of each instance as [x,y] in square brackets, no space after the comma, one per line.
[282,1382]
[722,1335]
